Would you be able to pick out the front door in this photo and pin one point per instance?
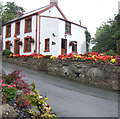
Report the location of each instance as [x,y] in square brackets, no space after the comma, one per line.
[63,46]
[16,47]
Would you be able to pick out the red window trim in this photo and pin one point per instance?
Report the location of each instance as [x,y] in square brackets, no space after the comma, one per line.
[76,49]
[26,25]
[6,44]
[47,50]
[7,31]
[28,37]
[16,28]
[68,33]
[70,27]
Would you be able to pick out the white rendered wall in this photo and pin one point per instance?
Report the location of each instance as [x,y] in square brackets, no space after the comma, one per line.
[53,12]
[77,34]
[48,27]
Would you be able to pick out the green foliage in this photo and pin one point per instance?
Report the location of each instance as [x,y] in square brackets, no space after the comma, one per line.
[42,108]
[110,52]
[9,93]
[9,11]
[11,77]
[6,53]
[88,39]
[118,47]
[107,35]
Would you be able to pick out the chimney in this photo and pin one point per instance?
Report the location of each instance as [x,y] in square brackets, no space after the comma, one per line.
[53,1]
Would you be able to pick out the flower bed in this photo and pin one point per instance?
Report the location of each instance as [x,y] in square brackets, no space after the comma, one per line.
[22,97]
[94,57]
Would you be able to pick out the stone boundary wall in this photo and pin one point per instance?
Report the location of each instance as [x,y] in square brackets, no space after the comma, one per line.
[99,75]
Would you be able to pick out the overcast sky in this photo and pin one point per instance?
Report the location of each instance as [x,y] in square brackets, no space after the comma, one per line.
[91,12]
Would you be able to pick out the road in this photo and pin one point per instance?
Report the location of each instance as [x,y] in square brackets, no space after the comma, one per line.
[70,98]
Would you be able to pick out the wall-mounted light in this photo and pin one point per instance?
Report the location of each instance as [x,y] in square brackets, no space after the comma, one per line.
[53,34]
[65,36]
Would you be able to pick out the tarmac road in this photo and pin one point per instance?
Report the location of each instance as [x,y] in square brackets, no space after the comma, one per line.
[70,98]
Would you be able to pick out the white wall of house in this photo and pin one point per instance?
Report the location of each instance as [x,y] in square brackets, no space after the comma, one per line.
[48,27]
[57,26]
[53,12]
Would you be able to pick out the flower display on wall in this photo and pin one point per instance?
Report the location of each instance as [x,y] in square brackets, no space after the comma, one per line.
[94,57]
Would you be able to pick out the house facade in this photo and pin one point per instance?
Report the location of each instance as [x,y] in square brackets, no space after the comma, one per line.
[46,31]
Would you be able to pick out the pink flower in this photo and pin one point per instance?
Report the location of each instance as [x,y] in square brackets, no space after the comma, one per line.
[14,85]
[9,86]
[4,101]
[4,85]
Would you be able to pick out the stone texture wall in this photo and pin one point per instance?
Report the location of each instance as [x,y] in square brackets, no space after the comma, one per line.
[99,75]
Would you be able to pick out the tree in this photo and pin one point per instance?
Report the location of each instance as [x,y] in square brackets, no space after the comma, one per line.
[9,11]
[88,39]
[107,35]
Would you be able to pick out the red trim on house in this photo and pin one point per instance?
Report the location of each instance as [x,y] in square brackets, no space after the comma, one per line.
[7,36]
[46,9]
[64,20]
[68,33]
[16,28]
[39,36]
[26,25]
[47,40]
[6,44]
[17,39]
[28,37]
[61,11]
[36,32]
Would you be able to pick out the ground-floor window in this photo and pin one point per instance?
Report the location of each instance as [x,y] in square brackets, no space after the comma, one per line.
[47,45]
[74,46]
[27,45]
[7,45]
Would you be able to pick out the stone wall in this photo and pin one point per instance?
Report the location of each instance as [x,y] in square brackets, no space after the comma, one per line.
[99,75]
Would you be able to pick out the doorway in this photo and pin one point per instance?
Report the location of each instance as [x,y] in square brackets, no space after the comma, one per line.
[16,47]
[63,46]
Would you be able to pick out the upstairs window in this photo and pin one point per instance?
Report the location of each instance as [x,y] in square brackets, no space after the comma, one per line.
[27,45]
[47,45]
[17,28]
[68,27]
[28,25]
[8,31]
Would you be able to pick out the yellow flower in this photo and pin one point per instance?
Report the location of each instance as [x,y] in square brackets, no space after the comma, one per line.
[113,61]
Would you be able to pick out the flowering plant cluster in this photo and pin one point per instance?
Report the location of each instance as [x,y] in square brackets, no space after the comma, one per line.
[44,109]
[11,84]
[94,57]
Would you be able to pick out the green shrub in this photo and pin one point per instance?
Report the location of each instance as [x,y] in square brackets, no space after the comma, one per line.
[110,52]
[6,53]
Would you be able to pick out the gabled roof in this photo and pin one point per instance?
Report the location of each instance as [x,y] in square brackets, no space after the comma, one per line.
[38,11]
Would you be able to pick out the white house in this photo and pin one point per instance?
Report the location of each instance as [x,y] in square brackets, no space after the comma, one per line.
[45,30]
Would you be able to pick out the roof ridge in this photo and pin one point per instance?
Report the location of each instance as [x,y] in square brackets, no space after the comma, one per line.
[39,8]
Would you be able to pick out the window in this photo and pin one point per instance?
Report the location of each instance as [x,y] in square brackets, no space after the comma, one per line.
[28,25]
[7,45]
[74,47]
[8,31]
[17,28]
[68,27]
[27,45]
[47,45]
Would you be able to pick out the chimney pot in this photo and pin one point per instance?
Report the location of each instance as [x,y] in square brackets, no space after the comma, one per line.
[53,1]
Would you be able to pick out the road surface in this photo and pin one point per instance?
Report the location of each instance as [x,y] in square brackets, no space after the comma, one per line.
[70,98]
